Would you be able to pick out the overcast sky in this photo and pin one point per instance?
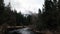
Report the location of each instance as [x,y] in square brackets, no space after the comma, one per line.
[26,5]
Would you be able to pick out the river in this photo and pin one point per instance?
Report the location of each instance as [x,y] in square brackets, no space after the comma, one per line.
[22,31]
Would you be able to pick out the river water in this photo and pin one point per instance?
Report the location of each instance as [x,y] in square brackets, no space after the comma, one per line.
[22,31]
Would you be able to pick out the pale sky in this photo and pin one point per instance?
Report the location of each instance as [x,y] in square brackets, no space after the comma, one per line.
[26,5]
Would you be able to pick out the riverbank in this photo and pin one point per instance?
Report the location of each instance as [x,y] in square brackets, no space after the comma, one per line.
[4,29]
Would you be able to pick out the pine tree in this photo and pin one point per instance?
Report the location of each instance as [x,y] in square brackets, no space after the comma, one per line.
[1,11]
[58,10]
[49,14]
[1,5]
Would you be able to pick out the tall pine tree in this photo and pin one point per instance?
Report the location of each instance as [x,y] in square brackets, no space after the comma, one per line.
[49,14]
[1,11]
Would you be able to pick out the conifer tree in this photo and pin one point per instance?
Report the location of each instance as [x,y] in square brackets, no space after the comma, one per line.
[1,11]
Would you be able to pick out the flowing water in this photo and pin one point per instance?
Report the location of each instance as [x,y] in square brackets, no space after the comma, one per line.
[21,31]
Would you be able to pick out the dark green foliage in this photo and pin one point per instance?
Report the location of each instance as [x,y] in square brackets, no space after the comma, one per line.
[26,20]
[19,18]
[58,17]
[1,10]
[49,15]
[29,19]
[50,18]
[10,17]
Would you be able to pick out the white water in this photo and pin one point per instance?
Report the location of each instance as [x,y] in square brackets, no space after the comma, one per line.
[23,31]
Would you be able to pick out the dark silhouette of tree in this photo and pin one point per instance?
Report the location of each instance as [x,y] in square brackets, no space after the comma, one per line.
[1,11]
[39,25]
[58,10]
[1,6]
[49,16]
[29,19]
[19,18]
[10,15]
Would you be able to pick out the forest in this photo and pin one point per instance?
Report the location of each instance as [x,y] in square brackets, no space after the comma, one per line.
[47,19]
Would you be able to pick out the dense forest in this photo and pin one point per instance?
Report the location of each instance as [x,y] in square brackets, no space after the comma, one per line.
[47,19]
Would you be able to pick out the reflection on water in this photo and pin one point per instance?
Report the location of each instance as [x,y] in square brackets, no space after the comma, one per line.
[21,31]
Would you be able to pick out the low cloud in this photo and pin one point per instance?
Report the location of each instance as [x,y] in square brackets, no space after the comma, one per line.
[21,5]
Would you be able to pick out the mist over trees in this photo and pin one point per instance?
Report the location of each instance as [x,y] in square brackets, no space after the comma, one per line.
[10,17]
[48,18]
